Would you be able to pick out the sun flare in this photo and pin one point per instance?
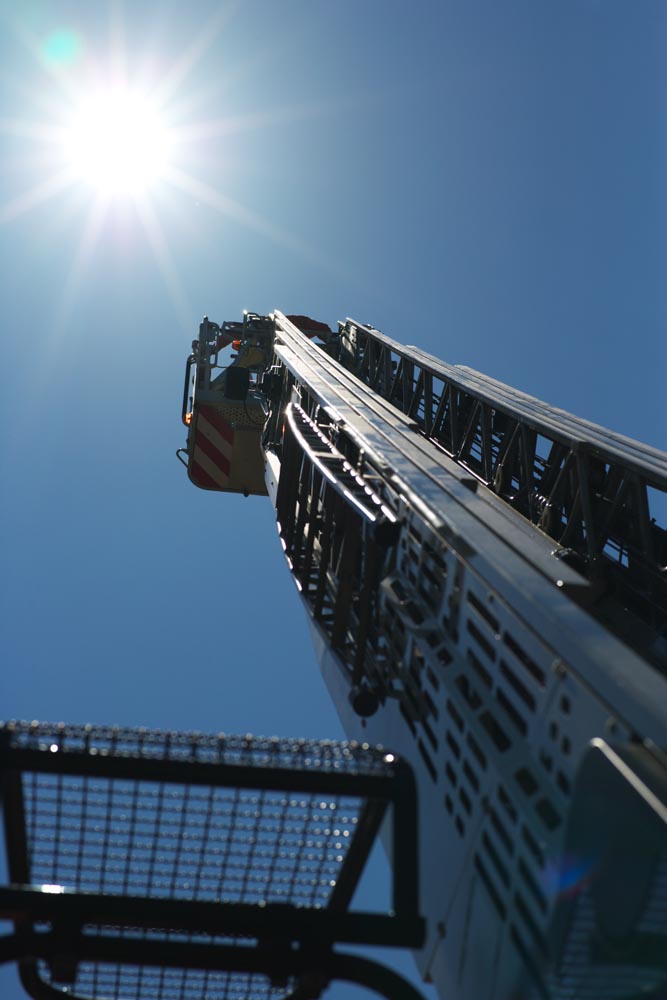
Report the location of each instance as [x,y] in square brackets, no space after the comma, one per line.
[117,142]
[112,138]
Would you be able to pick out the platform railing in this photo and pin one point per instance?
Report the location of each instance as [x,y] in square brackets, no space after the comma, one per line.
[159,864]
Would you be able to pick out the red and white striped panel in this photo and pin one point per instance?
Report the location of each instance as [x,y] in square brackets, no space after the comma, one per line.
[212,453]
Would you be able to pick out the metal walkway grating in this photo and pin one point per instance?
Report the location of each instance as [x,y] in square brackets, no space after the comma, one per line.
[261,836]
[125,982]
[140,838]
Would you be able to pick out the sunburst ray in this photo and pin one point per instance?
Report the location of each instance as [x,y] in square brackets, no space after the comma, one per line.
[251,220]
[35,196]
[195,51]
[166,266]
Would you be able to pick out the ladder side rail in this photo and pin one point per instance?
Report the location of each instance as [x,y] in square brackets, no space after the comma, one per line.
[620,676]
[337,533]
[613,587]
[547,420]
[568,427]
[499,445]
[649,460]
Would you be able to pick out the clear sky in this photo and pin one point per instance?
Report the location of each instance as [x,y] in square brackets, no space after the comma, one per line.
[483,179]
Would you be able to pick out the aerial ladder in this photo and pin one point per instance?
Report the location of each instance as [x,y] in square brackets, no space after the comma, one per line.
[485,579]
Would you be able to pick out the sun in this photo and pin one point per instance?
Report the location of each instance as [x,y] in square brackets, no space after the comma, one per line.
[111,135]
[117,142]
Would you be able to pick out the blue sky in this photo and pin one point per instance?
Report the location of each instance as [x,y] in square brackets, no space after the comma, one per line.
[483,179]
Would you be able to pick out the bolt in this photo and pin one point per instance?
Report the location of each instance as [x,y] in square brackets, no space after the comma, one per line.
[559,668]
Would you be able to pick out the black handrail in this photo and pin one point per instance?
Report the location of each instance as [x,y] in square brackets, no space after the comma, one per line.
[186,387]
[295,929]
[310,963]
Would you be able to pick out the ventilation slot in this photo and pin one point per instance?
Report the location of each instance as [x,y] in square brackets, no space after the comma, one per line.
[532,885]
[533,846]
[430,735]
[526,781]
[470,775]
[481,640]
[431,704]
[455,715]
[490,887]
[497,863]
[407,718]
[563,783]
[547,814]
[490,619]
[411,702]
[453,744]
[433,680]
[507,804]
[517,685]
[479,669]
[502,833]
[516,718]
[427,760]
[477,751]
[444,656]
[525,660]
[468,692]
[495,731]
